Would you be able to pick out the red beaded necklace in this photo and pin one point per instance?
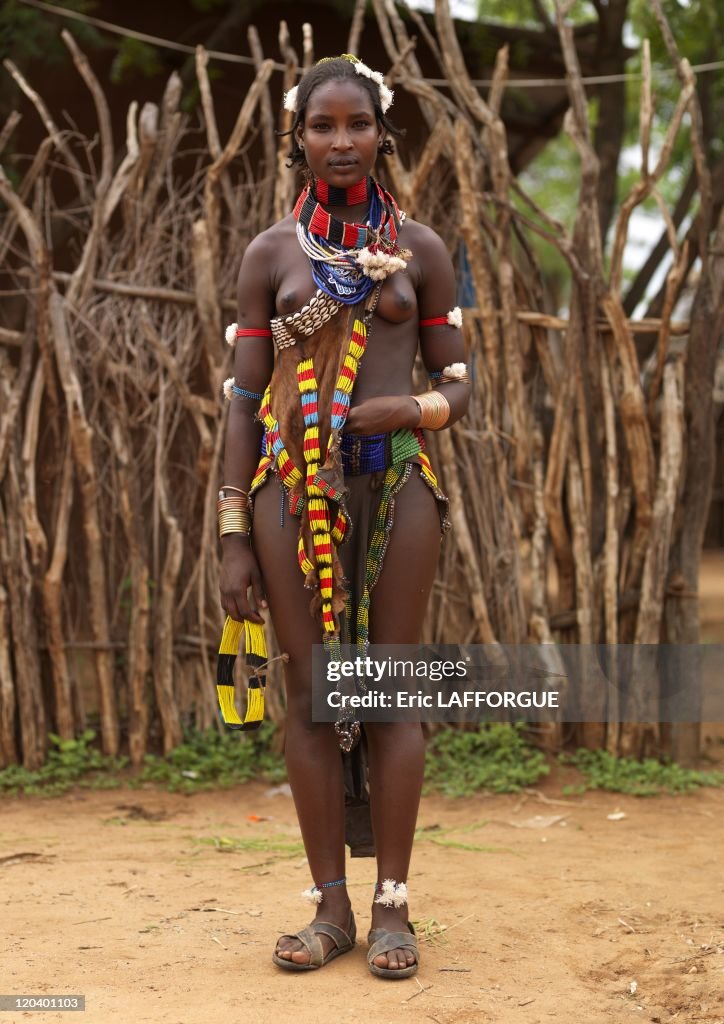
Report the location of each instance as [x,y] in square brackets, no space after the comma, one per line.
[308,210]
[331,195]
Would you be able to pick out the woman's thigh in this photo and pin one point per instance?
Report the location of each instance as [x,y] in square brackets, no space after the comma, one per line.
[275,546]
[399,600]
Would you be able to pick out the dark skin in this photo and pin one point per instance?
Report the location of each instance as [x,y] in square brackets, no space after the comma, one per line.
[341,139]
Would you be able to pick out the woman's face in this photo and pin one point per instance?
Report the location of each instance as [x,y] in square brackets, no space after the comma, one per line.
[340,136]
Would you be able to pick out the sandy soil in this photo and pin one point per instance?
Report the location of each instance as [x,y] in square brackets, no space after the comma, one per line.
[545,919]
[551,910]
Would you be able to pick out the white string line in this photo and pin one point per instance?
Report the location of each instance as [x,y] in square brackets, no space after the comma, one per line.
[235,58]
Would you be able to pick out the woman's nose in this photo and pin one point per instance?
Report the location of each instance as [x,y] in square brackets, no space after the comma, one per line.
[342,140]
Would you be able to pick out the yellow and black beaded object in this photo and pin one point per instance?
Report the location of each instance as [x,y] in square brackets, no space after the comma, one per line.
[256,659]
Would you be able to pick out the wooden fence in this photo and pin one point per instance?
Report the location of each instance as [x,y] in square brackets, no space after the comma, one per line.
[579,481]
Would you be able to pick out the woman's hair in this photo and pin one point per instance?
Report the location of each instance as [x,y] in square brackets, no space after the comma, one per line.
[335,69]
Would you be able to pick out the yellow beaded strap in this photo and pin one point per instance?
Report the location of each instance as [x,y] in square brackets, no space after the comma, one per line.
[256,659]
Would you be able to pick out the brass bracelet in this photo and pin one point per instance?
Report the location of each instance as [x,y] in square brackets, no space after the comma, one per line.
[234,522]
[230,487]
[233,514]
[434,410]
[233,502]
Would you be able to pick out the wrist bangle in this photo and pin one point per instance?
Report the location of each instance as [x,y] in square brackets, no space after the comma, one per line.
[233,513]
[434,410]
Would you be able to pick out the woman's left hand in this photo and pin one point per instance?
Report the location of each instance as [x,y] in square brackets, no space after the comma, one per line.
[383,414]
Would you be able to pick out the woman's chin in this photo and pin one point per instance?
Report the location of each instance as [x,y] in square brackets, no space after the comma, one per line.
[344,174]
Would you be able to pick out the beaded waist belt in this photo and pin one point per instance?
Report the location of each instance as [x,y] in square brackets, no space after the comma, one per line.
[369,453]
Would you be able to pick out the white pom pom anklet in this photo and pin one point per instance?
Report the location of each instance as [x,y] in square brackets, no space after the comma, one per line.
[391,893]
[315,894]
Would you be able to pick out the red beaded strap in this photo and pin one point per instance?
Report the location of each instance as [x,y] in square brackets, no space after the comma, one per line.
[434,321]
[253,332]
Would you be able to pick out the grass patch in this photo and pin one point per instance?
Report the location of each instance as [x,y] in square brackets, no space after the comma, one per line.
[70,763]
[212,760]
[279,847]
[205,760]
[649,777]
[495,757]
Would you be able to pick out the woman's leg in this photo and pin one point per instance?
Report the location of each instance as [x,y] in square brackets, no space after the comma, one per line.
[313,759]
[396,750]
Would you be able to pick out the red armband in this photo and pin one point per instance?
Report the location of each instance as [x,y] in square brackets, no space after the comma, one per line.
[233,331]
[454,318]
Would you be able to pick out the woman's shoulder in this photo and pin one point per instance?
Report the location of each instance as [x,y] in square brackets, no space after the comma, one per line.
[427,247]
[266,243]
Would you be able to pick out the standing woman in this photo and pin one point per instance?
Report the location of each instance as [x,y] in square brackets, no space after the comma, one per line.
[333,302]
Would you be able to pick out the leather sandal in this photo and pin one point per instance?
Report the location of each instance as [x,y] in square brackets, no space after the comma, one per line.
[382,941]
[309,937]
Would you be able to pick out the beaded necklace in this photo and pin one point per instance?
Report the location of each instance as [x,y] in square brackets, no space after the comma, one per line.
[332,246]
[331,195]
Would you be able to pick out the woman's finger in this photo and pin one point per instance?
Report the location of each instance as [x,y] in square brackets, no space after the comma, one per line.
[258,590]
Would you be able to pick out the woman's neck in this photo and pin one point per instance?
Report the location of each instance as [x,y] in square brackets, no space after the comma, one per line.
[356,195]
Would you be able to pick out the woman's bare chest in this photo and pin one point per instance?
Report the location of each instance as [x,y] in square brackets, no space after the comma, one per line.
[397,303]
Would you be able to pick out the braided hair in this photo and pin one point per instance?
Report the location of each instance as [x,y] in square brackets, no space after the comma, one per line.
[329,70]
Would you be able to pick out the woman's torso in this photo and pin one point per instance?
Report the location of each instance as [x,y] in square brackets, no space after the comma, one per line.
[392,346]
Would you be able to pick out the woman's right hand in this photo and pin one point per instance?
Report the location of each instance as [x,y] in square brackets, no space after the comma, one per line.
[240,572]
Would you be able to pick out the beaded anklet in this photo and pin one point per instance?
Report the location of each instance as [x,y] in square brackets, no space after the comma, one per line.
[391,893]
[315,894]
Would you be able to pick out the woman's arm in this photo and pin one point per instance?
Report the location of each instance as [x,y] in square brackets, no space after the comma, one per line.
[441,345]
[253,365]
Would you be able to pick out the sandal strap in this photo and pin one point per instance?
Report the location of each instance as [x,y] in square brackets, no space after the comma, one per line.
[312,942]
[381,942]
[339,935]
[309,937]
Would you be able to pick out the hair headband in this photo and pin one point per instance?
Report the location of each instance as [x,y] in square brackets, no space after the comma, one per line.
[386,95]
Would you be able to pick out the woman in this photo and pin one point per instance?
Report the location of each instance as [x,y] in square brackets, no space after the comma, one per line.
[343,475]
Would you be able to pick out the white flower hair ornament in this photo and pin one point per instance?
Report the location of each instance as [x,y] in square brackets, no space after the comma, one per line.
[290,99]
[386,95]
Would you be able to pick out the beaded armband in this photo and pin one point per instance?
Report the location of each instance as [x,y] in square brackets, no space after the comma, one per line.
[456,372]
[454,318]
[231,388]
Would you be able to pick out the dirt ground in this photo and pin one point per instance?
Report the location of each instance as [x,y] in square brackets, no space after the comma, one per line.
[552,910]
[545,919]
